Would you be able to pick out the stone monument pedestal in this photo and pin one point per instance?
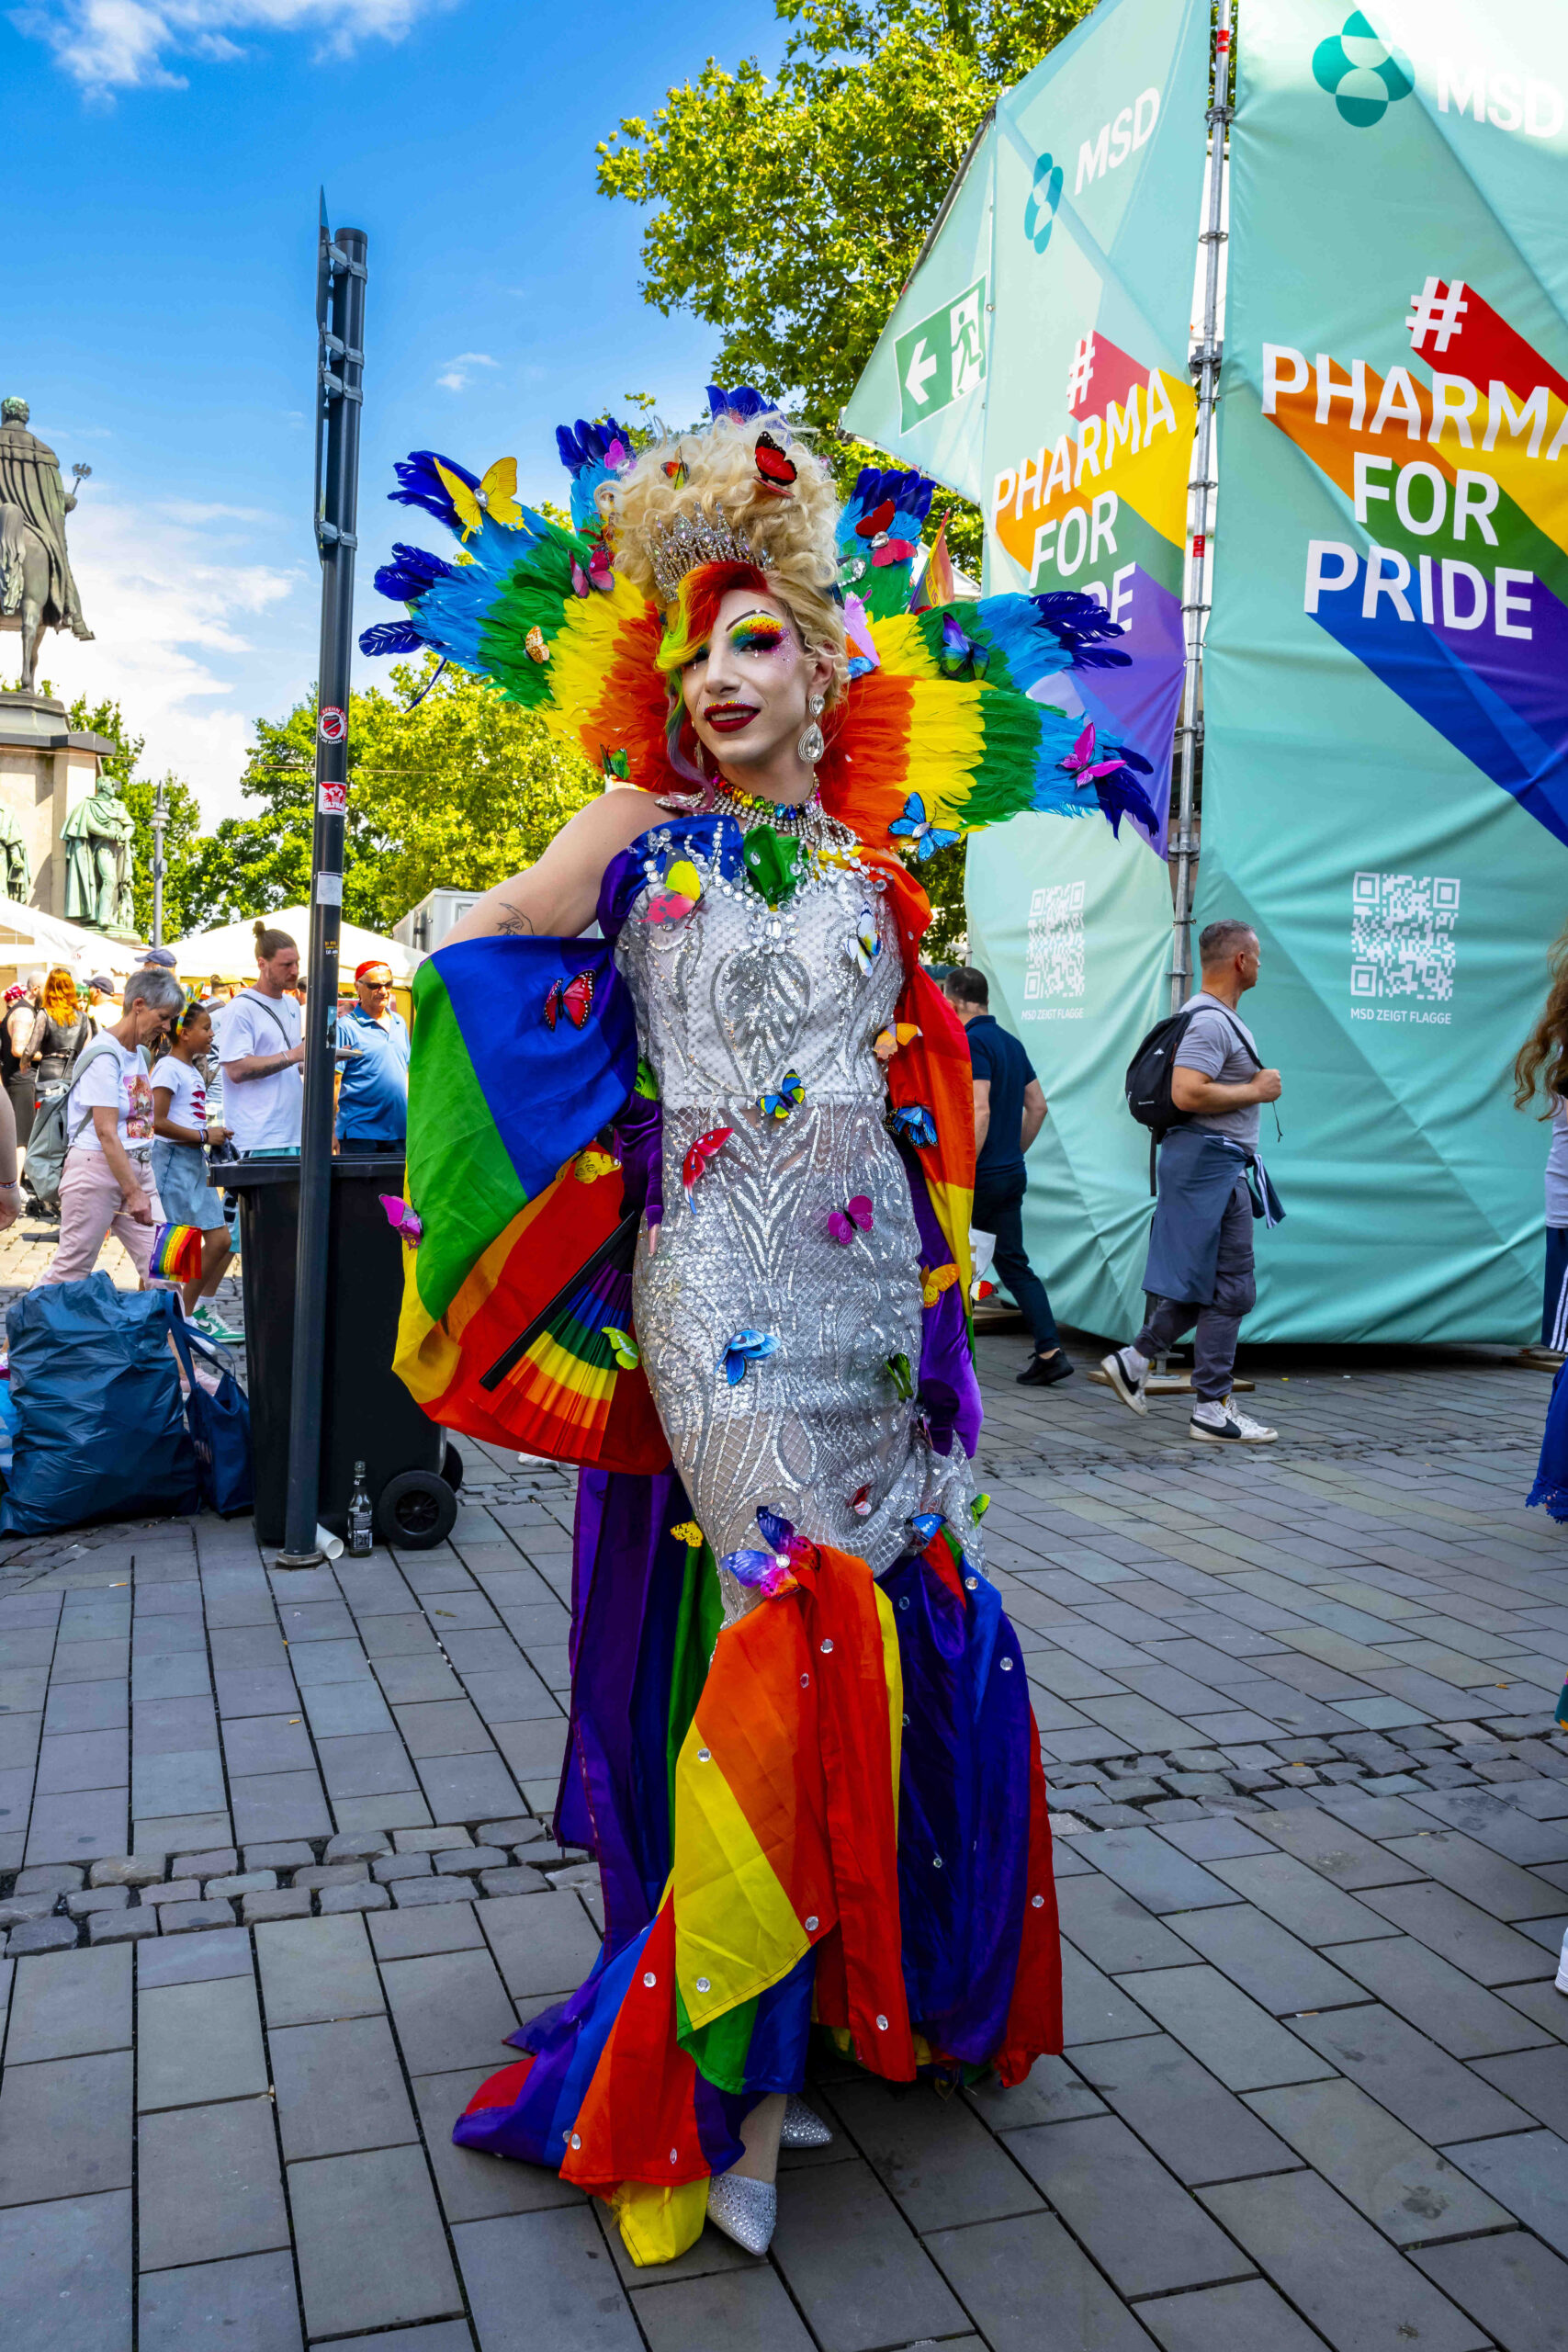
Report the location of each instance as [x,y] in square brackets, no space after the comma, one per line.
[45,770]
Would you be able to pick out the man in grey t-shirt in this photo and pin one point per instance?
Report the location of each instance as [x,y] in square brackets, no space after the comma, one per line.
[1201,1268]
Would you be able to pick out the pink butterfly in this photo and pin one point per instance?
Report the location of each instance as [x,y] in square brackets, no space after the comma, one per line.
[1081,763]
[701,1152]
[402,1218]
[842,1223]
[601,569]
[672,906]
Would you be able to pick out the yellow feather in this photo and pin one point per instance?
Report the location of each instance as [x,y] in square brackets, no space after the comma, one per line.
[947,745]
[903,651]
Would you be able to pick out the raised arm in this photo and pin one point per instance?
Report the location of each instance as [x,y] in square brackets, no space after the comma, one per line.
[557,897]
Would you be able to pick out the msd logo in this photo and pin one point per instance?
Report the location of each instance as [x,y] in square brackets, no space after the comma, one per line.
[1118,139]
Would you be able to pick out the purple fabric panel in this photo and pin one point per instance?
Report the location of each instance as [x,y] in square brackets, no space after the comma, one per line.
[945,1332]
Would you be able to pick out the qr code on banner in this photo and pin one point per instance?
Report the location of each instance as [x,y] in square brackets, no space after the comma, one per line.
[1402,935]
[1055,943]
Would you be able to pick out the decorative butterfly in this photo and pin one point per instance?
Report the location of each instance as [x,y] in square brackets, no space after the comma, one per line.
[916,827]
[978,1506]
[688,1533]
[859,1502]
[791,1094]
[961,656]
[682,888]
[574,997]
[874,528]
[676,470]
[770,1571]
[496,495]
[602,569]
[628,1354]
[927,1523]
[915,1124]
[536,645]
[581,584]
[866,944]
[902,1378]
[1081,763]
[616,763]
[777,471]
[842,1223]
[402,1218]
[701,1152]
[900,1033]
[934,1280]
[591,1163]
[743,1348]
[645,1083]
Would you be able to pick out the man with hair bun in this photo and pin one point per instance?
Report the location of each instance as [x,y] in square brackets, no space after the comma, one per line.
[1211,1185]
[263,1095]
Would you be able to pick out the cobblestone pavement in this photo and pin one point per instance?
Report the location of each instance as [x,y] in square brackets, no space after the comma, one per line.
[277,1881]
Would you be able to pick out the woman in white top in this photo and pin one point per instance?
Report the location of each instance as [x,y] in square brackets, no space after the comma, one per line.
[107,1185]
[1543,1060]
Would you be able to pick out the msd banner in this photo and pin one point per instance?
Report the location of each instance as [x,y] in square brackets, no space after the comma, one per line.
[1385,786]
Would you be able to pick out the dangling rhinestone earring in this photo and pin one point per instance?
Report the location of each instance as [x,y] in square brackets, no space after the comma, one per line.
[811,747]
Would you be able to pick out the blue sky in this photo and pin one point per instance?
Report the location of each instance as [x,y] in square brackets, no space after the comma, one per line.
[159,315]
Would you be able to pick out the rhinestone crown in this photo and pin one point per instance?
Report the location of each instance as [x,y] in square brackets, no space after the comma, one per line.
[674,549]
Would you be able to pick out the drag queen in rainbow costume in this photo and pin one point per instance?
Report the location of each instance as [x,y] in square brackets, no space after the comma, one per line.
[690,1162]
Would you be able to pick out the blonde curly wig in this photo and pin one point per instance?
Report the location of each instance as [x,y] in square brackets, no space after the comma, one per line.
[715,475]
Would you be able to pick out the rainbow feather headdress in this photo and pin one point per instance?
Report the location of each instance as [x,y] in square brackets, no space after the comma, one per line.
[937,732]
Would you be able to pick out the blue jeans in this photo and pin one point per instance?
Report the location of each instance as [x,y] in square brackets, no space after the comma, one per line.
[998,1209]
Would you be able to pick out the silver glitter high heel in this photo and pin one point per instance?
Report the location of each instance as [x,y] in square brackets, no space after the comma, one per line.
[744,2210]
[802,2126]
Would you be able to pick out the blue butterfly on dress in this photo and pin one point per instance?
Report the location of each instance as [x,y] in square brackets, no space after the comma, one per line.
[915,1124]
[914,825]
[743,1348]
[925,1524]
[789,1096]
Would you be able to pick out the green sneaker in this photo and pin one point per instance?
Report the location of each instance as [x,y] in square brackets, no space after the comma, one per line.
[212,1326]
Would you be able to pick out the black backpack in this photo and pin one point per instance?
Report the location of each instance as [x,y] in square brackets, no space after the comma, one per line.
[1149,1074]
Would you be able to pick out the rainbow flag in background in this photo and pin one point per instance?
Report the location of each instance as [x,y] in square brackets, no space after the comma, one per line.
[503,1109]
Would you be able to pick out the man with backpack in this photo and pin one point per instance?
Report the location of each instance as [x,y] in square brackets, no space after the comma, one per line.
[1198,1080]
[106,1182]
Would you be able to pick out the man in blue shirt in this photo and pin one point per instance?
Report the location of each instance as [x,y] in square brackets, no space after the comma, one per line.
[373,1091]
[1009,1108]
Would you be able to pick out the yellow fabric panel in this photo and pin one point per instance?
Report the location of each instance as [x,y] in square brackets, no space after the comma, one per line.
[659,2224]
[894,1672]
[734,1923]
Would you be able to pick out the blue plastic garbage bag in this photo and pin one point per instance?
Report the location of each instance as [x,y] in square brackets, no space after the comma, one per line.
[100,1425]
[219,1420]
[8,1429]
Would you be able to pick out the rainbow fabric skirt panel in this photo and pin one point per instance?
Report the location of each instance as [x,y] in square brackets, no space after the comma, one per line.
[830,1814]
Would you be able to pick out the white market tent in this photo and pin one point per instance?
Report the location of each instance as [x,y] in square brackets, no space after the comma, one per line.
[29,939]
[230,952]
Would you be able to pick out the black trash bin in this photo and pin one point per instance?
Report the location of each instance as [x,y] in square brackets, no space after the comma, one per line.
[411,1468]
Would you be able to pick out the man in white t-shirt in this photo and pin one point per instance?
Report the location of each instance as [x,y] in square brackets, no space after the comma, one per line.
[106,1185]
[261,1051]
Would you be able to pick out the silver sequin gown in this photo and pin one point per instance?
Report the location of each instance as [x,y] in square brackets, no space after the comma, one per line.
[728,1000]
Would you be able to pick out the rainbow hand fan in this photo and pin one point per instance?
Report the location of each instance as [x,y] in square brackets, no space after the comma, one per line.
[177,1253]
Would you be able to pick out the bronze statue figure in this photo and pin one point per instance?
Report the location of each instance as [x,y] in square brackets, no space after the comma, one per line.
[37,590]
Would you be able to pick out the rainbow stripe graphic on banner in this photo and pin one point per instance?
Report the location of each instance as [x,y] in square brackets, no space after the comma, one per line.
[1453,589]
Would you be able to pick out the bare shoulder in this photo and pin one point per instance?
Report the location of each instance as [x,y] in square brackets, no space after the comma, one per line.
[615,819]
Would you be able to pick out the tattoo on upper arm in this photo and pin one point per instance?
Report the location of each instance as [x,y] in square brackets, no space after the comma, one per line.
[514,924]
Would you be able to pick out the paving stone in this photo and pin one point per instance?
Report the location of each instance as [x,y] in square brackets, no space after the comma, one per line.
[1499,1825]
[514,1881]
[77,1828]
[1438,2000]
[934,2156]
[279,1804]
[1528,2173]
[171,1832]
[1052,2092]
[1009,2273]
[466,1787]
[1095,2173]
[247,2305]
[285,1854]
[1147,1867]
[1402,2186]
[1194,2125]
[715,2314]
[316,1874]
[191,1918]
[1431,2092]
[1217,1837]
[450,2010]
[547,2278]
[1447,1924]
[68,2004]
[335,1899]
[87,1706]
[358,1845]
[1094,2009]
[1234,2037]
[1512,2286]
[472,1858]
[1300,1899]
[411,1934]
[1339,1853]
[68,2263]
[20,1910]
[194,1960]
[1536,2079]
[473,2187]
[371,2246]
[1336,2270]
[518,1829]
[217,1862]
[41,1935]
[198,2043]
[1276,1970]
[282,1903]
[173,1890]
[239,1882]
[858,2276]
[1245,2317]
[209,2184]
[1112,1930]
[128,1870]
[442,1727]
[390,1867]
[315,1970]
[65,2128]
[338,1710]
[121,1926]
[543,1943]
[411,1893]
[48,1878]
[1484,1878]
[339,2088]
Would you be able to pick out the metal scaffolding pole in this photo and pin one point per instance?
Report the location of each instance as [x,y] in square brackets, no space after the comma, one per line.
[340,319]
[1206,366]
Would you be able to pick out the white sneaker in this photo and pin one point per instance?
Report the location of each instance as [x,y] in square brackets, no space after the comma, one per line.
[1223,1423]
[1129,1386]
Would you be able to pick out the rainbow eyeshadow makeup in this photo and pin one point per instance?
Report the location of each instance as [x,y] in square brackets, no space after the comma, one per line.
[758,633]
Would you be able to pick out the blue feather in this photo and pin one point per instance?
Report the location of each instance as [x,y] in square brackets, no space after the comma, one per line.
[586,453]
[743,402]
[391,636]
[409,573]
[423,486]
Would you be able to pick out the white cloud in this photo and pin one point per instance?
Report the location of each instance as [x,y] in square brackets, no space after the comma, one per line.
[457,374]
[108,45]
[195,511]
[173,640]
